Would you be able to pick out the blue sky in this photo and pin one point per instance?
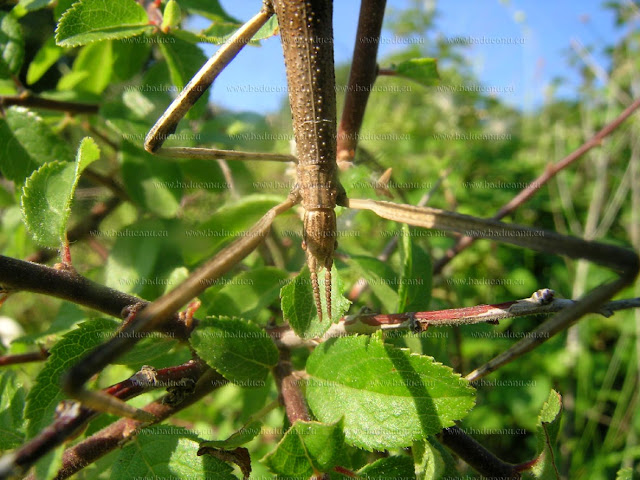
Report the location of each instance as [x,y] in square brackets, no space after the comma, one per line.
[544,31]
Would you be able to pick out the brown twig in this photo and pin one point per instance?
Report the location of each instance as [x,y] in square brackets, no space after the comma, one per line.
[69,285]
[32,101]
[362,76]
[38,356]
[71,417]
[478,457]
[289,387]
[534,186]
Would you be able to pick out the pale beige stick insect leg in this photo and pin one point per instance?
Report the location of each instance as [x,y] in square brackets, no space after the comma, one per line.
[624,262]
[159,310]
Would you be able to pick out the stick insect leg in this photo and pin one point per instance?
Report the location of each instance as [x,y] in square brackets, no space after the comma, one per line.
[167,123]
[157,312]
[624,262]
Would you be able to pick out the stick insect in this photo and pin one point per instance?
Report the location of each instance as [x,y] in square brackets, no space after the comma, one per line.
[306,32]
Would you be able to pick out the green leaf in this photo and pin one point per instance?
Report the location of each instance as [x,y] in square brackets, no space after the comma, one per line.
[546,435]
[47,194]
[164,451]
[184,59]
[390,467]
[625,474]
[224,225]
[11,45]
[46,394]
[307,448]
[12,403]
[25,6]
[93,20]
[132,261]
[241,351]
[246,294]
[210,9]
[432,460]
[91,70]
[171,16]
[26,142]
[47,467]
[414,292]
[148,180]
[380,277]
[47,56]
[239,438]
[299,307]
[389,398]
[421,70]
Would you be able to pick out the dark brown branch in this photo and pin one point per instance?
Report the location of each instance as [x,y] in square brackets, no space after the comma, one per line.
[474,454]
[32,101]
[289,387]
[534,186]
[122,431]
[72,418]
[362,76]
[20,275]
[38,356]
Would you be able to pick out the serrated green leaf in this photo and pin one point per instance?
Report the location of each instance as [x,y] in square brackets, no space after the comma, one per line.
[164,451]
[12,403]
[246,294]
[47,56]
[148,180]
[239,438]
[546,436]
[432,460]
[241,351]
[48,192]
[307,448]
[390,467]
[11,45]
[414,292]
[46,394]
[388,397]
[625,474]
[91,70]
[26,142]
[382,280]
[421,70]
[299,307]
[93,20]
[184,59]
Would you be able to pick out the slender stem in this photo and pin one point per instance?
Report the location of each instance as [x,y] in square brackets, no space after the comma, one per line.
[32,101]
[534,186]
[362,76]
[478,457]
[289,387]
[69,285]
[38,356]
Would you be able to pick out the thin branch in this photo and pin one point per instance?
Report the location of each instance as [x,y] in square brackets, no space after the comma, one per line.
[289,387]
[362,76]
[69,285]
[32,101]
[117,434]
[478,457]
[39,356]
[534,186]
[72,418]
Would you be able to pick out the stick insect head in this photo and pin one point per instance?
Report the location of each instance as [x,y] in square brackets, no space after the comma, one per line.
[319,241]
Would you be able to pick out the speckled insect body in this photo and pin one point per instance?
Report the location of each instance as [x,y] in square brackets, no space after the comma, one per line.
[307,42]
